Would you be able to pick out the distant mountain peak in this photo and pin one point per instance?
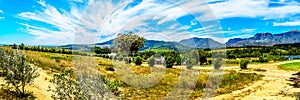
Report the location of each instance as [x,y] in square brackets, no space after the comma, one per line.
[233,40]
[263,34]
[294,31]
[267,39]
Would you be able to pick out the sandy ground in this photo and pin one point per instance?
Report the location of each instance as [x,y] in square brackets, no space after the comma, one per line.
[40,86]
[274,85]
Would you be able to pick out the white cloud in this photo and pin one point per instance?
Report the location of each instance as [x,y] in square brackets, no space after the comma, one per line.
[248,30]
[1,17]
[106,18]
[81,1]
[253,9]
[42,3]
[208,28]
[100,17]
[240,36]
[78,25]
[292,23]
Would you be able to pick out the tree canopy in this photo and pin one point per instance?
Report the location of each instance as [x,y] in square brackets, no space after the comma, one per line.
[128,43]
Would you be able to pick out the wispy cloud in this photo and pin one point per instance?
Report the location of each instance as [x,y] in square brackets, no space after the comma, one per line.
[105,18]
[292,23]
[42,3]
[63,27]
[85,25]
[253,9]
[81,1]
[1,17]
[249,30]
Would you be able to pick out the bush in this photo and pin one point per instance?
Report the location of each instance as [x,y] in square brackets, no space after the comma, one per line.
[113,85]
[105,56]
[120,58]
[91,86]
[232,62]
[190,62]
[209,62]
[65,87]
[178,60]
[169,61]
[127,60]
[218,63]
[244,63]
[151,61]
[17,72]
[263,59]
[115,57]
[138,60]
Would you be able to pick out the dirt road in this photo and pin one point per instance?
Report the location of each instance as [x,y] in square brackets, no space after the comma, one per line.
[275,85]
[40,86]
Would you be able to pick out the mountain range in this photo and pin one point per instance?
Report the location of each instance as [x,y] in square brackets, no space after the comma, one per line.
[181,45]
[259,39]
[266,39]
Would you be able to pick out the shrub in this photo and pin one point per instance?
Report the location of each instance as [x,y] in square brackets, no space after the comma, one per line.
[17,72]
[209,62]
[263,59]
[115,57]
[138,60]
[218,63]
[113,85]
[14,46]
[65,87]
[127,60]
[91,86]
[101,55]
[120,58]
[106,56]
[151,61]
[169,61]
[244,63]
[178,60]
[190,62]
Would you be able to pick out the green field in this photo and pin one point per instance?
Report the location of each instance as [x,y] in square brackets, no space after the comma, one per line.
[295,66]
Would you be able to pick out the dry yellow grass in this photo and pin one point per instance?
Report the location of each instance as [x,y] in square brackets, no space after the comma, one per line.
[168,79]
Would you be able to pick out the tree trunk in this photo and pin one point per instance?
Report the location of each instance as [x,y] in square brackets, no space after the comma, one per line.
[23,90]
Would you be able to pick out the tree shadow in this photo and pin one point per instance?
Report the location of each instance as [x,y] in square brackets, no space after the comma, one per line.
[8,94]
[295,80]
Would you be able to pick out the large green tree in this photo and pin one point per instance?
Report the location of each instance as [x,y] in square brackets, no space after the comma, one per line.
[22,46]
[100,50]
[202,56]
[128,43]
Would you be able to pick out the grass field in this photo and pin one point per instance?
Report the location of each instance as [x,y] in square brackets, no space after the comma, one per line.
[295,66]
[232,80]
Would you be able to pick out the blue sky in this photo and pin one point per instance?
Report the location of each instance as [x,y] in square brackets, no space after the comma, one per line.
[58,22]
